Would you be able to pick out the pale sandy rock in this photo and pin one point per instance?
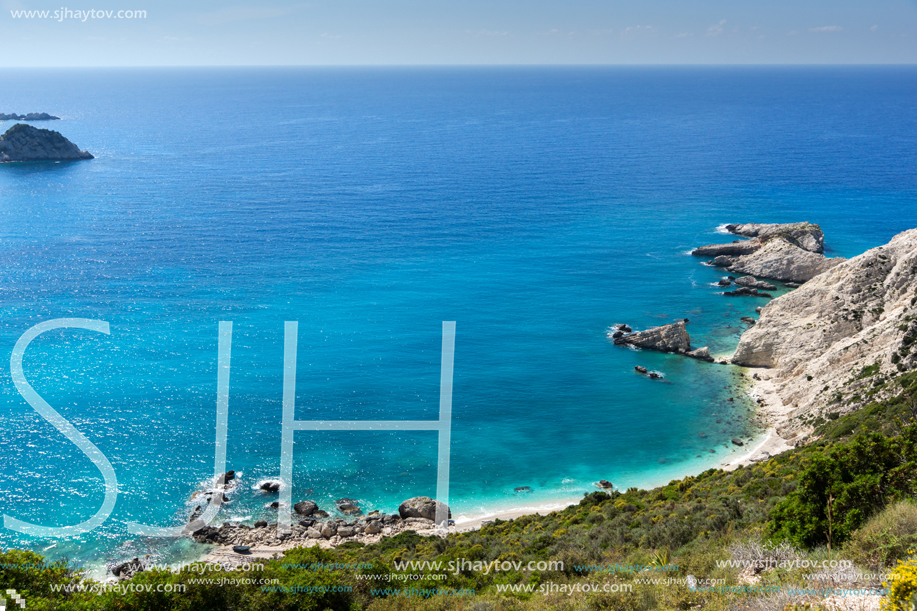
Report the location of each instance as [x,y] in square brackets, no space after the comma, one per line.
[805,235]
[701,353]
[735,249]
[780,259]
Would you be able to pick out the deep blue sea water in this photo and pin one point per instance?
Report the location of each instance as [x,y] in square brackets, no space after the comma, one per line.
[534,206]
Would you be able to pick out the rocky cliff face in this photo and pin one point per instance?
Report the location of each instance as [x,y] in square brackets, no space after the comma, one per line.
[26,143]
[819,339]
[788,252]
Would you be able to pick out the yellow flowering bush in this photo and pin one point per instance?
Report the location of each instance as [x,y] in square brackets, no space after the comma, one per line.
[902,587]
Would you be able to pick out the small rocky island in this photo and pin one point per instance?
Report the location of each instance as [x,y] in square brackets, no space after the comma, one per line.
[32,116]
[786,252]
[667,338]
[26,143]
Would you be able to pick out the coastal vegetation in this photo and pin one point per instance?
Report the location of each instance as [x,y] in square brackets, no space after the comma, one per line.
[755,533]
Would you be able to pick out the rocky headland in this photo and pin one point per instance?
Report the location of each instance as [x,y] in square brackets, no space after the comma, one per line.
[26,143]
[32,116]
[786,252]
[822,348]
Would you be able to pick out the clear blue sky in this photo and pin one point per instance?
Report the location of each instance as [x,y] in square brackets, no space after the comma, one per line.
[370,32]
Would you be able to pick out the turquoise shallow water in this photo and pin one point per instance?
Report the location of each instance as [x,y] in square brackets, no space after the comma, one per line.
[535,207]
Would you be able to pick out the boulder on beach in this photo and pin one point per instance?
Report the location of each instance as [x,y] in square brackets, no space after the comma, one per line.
[26,143]
[421,507]
[373,528]
[605,484]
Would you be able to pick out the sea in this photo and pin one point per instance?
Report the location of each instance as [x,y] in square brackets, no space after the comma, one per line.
[534,206]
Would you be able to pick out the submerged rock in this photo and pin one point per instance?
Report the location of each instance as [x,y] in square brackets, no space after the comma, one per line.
[747,292]
[226,478]
[26,143]
[305,508]
[752,283]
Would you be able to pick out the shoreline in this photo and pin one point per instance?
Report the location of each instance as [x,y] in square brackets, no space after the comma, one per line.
[768,410]
[770,407]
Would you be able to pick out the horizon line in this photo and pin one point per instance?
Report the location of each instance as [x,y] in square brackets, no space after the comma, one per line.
[517,65]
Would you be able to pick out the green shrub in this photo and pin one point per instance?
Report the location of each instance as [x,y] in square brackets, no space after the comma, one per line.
[840,489]
[886,537]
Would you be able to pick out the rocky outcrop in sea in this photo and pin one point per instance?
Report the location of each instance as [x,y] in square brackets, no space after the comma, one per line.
[667,338]
[26,143]
[787,252]
[827,343]
[32,116]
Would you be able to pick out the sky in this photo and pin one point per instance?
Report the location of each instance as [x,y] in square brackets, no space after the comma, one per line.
[466,32]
